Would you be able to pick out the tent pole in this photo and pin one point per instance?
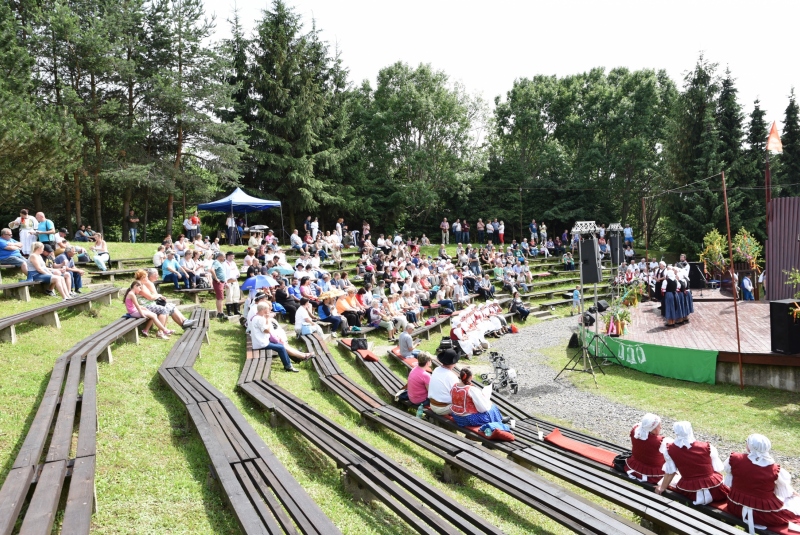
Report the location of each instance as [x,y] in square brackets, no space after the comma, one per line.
[283,228]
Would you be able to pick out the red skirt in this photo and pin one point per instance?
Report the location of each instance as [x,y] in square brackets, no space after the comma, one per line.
[770,519]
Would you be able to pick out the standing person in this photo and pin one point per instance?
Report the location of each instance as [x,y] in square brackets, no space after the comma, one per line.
[230,225]
[445,227]
[27,235]
[698,464]
[218,279]
[747,288]
[489,231]
[314,229]
[534,231]
[45,230]
[457,231]
[465,232]
[761,491]
[307,224]
[501,233]
[11,251]
[669,287]
[576,300]
[133,223]
[628,233]
[481,228]
[195,219]
[233,294]
[542,233]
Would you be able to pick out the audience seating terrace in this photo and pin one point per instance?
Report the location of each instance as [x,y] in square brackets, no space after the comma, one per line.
[43,466]
[48,315]
[18,290]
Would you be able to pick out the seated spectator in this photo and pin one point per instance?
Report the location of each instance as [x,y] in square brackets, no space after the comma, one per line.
[172,272]
[101,254]
[629,254]
[761,491]
[159,257]
[304,319]
[486,288]
[519,307]
[379,318]
[697,462]
[646,462]
[181,246]
[568,261]
[296,242]
[148,296]
[327,312]
[80,234]
[261,332]
[408,348]
[50,278]
[443,379]
[135,310]
[191,267]
[418,380]
[66,262]
[471,406]
[11,252]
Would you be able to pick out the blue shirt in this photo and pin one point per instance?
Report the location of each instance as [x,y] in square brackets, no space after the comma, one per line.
[5,253]
[44,226]
[628,232]
[294,291]
[576,295]
[169,264]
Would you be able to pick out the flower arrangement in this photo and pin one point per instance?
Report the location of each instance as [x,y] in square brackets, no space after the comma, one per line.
[715,250]
[746,248]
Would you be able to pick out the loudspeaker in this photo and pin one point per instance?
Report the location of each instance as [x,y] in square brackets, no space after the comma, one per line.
[697,280]
[590,263]
[602,305]
[617,247]
[573,341]
[588,319]
[784,330]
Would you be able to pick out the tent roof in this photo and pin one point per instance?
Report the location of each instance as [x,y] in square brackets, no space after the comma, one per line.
[239,201]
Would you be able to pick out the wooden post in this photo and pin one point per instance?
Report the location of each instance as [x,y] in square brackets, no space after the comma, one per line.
[734,287]
[49,319]
[132,336]
[9,334]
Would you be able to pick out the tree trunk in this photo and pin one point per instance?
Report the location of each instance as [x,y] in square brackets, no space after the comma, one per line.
[37,201]
[146,206]
[77,178]
[126,206]
[68,206]
[98,151]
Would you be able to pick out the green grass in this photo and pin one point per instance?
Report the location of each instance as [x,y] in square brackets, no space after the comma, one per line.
[722,410]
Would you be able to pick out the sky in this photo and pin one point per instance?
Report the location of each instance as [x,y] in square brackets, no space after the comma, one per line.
[487,45]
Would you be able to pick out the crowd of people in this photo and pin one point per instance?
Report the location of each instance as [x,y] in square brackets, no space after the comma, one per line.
[753,486]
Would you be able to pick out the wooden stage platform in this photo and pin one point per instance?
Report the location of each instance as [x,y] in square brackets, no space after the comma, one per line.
[712,326]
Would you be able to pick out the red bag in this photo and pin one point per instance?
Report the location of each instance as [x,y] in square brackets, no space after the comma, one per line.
[514,329]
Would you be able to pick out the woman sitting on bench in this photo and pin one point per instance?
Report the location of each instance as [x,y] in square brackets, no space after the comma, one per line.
[472,406]
[646,462]
[135,310]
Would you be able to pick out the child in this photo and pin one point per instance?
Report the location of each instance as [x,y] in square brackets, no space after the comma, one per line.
[576,300]
[135,310]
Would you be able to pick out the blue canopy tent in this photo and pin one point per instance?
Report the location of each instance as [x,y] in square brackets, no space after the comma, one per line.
[238,202]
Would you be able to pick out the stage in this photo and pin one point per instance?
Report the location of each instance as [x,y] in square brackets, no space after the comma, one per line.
[705,350]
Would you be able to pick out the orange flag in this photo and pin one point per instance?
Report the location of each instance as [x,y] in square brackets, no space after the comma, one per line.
[774,140]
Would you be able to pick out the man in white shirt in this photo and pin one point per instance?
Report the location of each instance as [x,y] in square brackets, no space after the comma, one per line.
[232,284]
[443,379]
[259,333]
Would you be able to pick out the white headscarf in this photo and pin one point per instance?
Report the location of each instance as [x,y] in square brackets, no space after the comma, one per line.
[684,436]
[671,275]
[648,423]
[759,446]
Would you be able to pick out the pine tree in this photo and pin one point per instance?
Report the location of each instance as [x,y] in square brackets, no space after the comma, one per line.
[788,175]
[730,125]
[752,173]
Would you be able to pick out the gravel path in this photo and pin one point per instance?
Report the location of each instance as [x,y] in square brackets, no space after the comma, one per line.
[539,394]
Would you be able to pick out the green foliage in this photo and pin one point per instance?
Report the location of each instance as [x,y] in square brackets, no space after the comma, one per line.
[788,173]
[715,252]
[746,248]
[794,279]
[752,173]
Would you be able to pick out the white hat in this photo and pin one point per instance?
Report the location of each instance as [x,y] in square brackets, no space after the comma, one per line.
[759,447]
[684,436]
[648,423]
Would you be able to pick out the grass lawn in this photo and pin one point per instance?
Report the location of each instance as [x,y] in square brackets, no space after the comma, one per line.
[723,410]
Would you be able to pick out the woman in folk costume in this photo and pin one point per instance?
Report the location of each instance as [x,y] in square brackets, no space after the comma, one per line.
[646,462]
[25,224]
[669,288]
[688,301]
[761,491]
[698,464]
[472,406]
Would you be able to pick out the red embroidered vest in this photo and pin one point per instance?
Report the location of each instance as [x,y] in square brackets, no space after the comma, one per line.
[645,457]
[694,465]
[462,403]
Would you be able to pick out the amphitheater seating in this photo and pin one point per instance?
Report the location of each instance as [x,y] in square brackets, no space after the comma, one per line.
[48,315]
[71,393]
[18,290]
[262,494]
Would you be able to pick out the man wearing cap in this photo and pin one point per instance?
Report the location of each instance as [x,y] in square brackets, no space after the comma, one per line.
[11,251]
[171,271]
[406,343]
[218,282]
[72,274]
[443,379]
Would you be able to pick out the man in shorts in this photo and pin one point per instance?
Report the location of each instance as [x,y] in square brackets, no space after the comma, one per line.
[11,252]
[218,277]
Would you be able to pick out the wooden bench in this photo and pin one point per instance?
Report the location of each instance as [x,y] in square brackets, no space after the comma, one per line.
[71,393]
[462,457]
[18,290]
[48,315]
[368,474]
[111,273]
[426,330]
[263,495]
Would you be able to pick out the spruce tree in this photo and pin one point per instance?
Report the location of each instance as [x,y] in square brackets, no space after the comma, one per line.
[752,174]
[789,172]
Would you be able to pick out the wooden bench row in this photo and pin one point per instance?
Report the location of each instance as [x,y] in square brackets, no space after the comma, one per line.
[368,474]
[262,494]
[43,467]
[462,457]
[48,315]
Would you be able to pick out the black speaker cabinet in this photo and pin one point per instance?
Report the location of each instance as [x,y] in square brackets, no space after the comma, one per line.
[616,246]
[602,305]
[783,328]
[697,279]
[590,263]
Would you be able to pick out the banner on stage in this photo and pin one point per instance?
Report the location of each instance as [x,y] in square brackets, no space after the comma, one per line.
[695,365]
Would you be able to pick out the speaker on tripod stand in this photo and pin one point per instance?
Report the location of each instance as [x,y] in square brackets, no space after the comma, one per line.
[590,261]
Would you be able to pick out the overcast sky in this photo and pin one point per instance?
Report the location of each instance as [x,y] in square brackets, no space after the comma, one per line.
[487,45]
